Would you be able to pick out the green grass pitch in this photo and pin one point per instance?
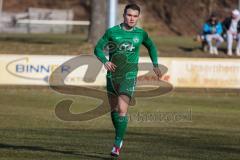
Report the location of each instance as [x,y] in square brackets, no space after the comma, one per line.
[29,128]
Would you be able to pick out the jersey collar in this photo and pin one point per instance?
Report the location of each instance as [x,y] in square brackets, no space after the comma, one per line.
[121,27]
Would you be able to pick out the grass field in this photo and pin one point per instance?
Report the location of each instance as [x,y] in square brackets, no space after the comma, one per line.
[29,128]
[75,44]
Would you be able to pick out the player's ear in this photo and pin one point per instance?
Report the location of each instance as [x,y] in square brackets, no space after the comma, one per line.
[139,14]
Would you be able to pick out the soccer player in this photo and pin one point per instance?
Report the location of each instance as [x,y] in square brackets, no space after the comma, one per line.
[123,44]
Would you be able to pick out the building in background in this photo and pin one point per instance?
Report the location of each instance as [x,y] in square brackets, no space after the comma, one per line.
[37,20]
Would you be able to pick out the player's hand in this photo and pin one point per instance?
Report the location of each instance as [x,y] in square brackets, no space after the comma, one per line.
[110,66]
[158,72]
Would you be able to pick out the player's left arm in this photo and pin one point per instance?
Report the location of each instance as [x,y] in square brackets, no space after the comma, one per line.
[153,53]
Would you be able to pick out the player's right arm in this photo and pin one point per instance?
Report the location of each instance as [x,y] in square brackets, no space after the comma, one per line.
[99,52]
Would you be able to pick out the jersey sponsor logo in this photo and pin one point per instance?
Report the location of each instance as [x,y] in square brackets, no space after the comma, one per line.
[126,46]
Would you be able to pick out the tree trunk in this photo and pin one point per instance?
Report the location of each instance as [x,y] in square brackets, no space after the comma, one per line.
[210,7]
[98,21]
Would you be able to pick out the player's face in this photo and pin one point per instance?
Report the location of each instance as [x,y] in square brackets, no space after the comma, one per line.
[131,17]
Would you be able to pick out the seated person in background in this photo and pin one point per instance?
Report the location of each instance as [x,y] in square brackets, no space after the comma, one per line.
[212,30]
[231,26]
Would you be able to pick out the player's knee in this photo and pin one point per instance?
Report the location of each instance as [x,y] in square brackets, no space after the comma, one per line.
[123,110]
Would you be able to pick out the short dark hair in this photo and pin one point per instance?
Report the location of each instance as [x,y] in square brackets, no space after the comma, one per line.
[132,6]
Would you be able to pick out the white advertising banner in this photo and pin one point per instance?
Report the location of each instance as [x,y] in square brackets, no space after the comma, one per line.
[206,73]
[182,72]
[36,70]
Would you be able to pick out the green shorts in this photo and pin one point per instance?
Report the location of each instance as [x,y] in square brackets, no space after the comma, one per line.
[123,87]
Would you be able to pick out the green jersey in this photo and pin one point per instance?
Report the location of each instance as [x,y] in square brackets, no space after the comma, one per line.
[123,48]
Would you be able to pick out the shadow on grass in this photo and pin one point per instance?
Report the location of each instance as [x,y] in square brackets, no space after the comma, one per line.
[196,143]
[101,156]
[163,143]
[189,49]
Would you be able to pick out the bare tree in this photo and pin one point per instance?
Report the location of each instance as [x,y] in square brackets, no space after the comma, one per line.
[98,20]
[210,6]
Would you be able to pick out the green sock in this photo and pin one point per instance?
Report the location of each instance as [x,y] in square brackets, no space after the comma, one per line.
[114,116]
[121,129]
